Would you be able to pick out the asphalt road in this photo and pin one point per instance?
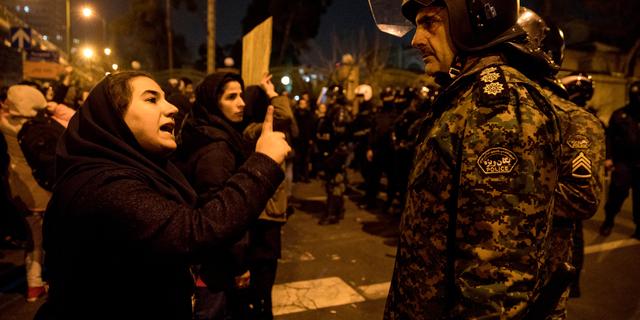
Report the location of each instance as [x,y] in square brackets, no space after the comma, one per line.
[342,271]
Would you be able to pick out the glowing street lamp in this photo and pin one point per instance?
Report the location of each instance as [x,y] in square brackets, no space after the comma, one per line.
[114,66]
[88,53]
[107,51]
[87,12]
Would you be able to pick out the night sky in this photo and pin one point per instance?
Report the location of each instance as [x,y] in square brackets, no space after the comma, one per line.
[346,17]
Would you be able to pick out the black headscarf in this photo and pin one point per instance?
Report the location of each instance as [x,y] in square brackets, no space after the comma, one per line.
[98,140]
[208,93]
[257,103]
[207,123]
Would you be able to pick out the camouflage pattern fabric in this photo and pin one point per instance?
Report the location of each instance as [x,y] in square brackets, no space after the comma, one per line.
[579,189]
[581,161]
[497,136]
[336,182]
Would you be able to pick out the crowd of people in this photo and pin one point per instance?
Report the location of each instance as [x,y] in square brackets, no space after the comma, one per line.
[164,193]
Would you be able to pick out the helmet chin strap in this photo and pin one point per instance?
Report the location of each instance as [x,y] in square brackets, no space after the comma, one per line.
[456,66]
[444,79]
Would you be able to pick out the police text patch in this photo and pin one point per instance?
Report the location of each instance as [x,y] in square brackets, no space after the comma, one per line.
[578,141]
[581,166]
[497,160]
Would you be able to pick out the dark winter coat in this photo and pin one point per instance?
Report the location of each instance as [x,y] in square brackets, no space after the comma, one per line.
[212,150]
[123,227]
[623,136]
[38,139]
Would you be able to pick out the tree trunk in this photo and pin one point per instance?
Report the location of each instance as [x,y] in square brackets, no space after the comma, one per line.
[211,36]
[169,37]
[285,38]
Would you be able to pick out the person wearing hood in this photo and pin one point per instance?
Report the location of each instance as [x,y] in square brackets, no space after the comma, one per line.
[38,139]
[213,134]
[124,225]
[24,103]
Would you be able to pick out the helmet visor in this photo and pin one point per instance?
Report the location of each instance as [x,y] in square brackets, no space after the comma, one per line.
[389,18]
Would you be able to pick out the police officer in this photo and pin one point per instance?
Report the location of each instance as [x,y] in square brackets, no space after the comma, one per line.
[364,109]
[380,151]
[474,229]
[581,178]
[623,138]
[404,137]
[336,131]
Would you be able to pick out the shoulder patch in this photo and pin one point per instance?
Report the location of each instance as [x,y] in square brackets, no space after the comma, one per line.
[578,141]
[492,87]
[581,166]
[497,160]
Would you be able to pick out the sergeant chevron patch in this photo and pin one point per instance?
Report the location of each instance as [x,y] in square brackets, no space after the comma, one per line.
[581,166]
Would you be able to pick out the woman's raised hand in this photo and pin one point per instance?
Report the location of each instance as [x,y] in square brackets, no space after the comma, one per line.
[272,144]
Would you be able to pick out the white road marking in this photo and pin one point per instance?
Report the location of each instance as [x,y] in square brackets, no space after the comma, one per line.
[612,245]
[312,294]
[375,291]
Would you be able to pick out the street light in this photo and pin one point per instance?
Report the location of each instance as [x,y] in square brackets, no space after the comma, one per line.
[68,25]
[114,67]
[88,12]
[88,53]
[107,51]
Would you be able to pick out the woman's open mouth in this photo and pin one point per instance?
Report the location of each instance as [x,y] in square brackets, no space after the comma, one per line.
[168,127]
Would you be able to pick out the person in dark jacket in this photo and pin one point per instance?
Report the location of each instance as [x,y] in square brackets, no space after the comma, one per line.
[38,139]
[304,141]
[123,225]
[380,151]
[214,134]
[623,139]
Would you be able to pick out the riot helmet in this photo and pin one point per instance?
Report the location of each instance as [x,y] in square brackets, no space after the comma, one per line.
[539,59]
[474,24]
[387,96]
[553,44]
[365,91]
[580,87]
[534,26]
[336,94]
[401,98]
[634,94]
[410,92]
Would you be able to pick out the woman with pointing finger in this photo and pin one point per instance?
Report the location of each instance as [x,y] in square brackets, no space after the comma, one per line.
[123,224]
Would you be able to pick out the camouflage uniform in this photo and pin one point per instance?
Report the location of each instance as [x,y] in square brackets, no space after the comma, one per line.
[486,156]
[339,119]
[579,189]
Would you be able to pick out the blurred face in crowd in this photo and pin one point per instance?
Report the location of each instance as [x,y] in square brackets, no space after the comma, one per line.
[433,40]
[231,103]
[303,104]
[150,117]
[322,109]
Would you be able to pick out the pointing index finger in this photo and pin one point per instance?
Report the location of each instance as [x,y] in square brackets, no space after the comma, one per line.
[267,125]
